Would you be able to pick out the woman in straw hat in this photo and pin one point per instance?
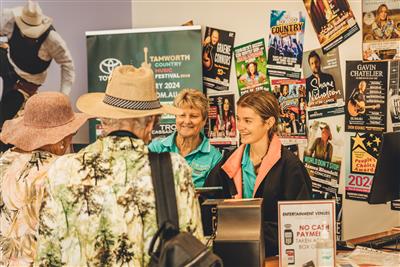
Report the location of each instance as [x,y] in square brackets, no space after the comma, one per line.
[42,134]
[102,206]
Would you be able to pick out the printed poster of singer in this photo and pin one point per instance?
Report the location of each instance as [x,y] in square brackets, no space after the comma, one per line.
[381,30]
[221,118]
[323,78]
[216,58]
[324,152]
[292,107]
[333,21]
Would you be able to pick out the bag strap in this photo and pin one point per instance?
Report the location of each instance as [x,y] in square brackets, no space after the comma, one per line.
[164,189]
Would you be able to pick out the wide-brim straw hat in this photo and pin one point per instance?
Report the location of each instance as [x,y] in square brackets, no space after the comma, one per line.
[48,118]
[130,93]
[31,21]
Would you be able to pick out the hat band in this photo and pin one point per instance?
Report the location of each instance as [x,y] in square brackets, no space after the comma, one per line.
[131,104]
[30,24]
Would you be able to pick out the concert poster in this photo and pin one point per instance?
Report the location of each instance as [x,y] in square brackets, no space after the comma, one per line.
[395,204]
[323,78]
[216,58]
[381,30]
[291,95]
[221,125]
[394,94]
[366,96]
[251,67]
[324,152]
[360,169]
[285,48]
[333,21]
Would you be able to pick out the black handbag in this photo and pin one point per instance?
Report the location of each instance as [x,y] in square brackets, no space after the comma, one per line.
[174,248]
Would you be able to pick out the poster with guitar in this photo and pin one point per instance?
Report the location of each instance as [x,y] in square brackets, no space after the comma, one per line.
[394,94]
[216,58]
[366,96]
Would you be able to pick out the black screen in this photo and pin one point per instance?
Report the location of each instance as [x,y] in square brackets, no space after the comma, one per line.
[386,182]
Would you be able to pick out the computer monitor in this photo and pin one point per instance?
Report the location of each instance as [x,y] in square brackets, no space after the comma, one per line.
[386,182]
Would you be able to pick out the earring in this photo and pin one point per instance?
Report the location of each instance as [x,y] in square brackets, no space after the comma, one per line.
[62,146]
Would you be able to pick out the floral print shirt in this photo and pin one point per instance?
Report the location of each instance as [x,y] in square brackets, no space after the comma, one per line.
[22,177]
[100,207]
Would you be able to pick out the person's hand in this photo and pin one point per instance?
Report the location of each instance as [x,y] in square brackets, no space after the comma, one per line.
[207,40]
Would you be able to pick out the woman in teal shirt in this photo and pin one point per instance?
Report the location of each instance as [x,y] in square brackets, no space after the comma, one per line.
[188,139]
[261,167]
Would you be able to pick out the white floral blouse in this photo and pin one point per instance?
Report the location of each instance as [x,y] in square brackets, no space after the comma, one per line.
[22,177]
[100,207]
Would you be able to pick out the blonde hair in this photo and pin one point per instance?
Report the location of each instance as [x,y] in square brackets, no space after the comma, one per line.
[194,99]
[264,104]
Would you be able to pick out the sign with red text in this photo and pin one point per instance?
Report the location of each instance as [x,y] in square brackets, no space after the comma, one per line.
[364,152]
[301,224]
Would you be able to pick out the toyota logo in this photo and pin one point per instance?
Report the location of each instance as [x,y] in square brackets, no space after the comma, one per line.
[108,64]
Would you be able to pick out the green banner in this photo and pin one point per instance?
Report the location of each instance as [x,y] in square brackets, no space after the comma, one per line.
[173,52]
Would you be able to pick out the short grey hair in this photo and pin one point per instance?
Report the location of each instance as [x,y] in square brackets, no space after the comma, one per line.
[135,122]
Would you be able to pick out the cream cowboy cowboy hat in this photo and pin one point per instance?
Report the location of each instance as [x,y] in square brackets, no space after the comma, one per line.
[130,93]
[31,21]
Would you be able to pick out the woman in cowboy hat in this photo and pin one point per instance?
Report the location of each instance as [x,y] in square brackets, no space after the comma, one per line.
[42,134]
[32,44]
[322,147]
[102,209]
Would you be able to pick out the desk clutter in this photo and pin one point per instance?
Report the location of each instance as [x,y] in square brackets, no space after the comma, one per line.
[363,256]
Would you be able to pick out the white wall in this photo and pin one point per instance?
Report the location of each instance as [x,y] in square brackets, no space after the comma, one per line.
[250,20]
[71,19]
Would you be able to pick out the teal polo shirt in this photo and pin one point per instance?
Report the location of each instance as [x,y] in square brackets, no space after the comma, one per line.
[202,159]
[248,174]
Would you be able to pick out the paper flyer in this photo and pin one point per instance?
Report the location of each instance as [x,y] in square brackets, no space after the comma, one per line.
[325,150]
[381,30]
[363,151]
[323,79]
[251,67]
[366,96]
[292,108]
[333,21]
[216,58]
[285,48]
[221,125]
[394,94]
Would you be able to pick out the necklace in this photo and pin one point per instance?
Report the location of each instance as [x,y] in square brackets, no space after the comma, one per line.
[257,159]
